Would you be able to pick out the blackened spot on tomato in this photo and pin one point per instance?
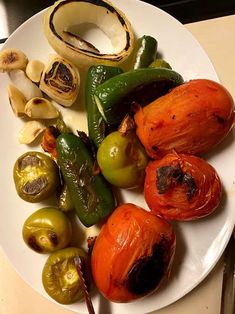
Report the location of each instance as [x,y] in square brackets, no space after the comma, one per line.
[167,177]
[170,176]
[191,185]
[148,271]
[173,117]
[219,119]
[32,242]
[53,238]
[155,148]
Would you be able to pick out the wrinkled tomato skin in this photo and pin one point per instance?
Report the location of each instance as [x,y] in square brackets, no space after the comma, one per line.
[192,118]
[126,241]
[177,202]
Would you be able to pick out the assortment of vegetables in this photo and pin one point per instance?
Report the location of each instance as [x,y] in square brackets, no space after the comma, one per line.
[145,128]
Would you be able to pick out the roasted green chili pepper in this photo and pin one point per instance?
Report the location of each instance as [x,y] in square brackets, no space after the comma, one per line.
[90,193]
[115,96]
[144,53]
[160,63]
[36,176]
[64,200]
[96,125]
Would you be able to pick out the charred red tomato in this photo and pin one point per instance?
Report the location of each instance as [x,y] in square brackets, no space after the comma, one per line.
[182,187]
[132,254]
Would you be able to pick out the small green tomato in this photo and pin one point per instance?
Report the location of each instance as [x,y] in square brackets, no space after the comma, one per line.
[60,277]
[122,160]
[47,230]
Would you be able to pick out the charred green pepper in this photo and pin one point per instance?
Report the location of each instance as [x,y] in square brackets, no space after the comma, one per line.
[36,176]
[64,200]
[115,96]
[96,125]
[90,193]
[145,50]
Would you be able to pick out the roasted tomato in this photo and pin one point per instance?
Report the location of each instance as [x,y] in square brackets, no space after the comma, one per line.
[60,277]
[182,187]
[132,254]
[47,230]
[192,119]
[36,176]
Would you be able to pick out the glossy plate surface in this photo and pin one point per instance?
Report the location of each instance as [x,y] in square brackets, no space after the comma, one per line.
[199,244]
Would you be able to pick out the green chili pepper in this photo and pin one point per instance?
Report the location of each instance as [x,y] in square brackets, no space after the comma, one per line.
[144,53]
[90,193]
[160,63]
[96,75]
[115,96]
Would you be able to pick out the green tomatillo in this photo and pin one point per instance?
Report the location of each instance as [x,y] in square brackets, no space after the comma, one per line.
[46,230]
[122,160]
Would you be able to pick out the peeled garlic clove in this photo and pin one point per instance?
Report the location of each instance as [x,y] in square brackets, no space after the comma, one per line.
[60,81]
[34,70]
[23,83]
[30,131]
[12,59]
[17,100]
[41,108]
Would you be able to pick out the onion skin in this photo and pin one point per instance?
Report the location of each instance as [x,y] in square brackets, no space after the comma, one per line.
[84,58]
[193,118]
[125,243]
[191,191]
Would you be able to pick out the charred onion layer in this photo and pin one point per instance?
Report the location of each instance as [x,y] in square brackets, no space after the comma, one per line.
[66,15]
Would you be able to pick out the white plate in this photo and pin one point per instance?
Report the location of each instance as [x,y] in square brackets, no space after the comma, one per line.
[200,244]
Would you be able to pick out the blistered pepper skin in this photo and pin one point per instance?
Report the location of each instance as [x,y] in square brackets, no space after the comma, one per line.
[91,195]
[193,118]
[133,254]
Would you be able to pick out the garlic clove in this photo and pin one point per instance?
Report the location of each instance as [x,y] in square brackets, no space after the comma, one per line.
[41,108]
[34,70]
[24,84]
[60,81]
[12,59]
[17,100]
[30,131]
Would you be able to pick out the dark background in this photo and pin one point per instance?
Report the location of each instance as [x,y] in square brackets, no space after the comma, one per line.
[186,11]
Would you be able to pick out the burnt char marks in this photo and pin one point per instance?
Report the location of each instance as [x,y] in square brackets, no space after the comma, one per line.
[109,9]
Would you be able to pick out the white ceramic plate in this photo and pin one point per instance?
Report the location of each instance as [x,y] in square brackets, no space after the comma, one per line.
[199,244]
